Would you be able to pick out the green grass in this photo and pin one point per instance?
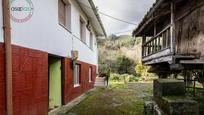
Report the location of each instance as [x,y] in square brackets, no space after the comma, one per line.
[120,85]
[149,90]
[116,100]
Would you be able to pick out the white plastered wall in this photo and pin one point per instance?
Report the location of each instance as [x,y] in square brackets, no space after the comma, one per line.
[43,32]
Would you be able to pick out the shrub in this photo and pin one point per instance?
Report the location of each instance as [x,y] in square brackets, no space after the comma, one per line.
[123,78]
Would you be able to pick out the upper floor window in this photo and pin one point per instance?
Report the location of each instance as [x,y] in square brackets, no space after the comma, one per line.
[76,75]
[82,30]
[91,41]
[64,13]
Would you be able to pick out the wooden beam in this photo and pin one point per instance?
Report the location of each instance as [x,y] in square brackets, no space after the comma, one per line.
[165,29]
[172,29]
[147,22]
[193,62]
[143,48]
[159,60]
[155,7]
[155,28]
[8,56]
[159,54]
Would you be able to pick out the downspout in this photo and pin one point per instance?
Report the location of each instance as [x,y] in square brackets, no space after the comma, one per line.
[8,56]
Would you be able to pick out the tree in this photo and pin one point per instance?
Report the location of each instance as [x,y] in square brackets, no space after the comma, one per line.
[141,70]
[125,65]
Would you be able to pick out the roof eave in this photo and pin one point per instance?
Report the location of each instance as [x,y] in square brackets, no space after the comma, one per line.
[138,30]
[97,16]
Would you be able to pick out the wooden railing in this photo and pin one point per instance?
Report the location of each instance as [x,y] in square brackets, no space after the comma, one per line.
[157,43]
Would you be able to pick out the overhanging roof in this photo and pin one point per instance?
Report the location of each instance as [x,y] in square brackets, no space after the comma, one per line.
[147,17]
[91,11]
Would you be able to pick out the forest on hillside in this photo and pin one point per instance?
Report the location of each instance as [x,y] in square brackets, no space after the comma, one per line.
[121,56]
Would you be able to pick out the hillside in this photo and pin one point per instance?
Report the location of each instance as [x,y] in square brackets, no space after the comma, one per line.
[117,47]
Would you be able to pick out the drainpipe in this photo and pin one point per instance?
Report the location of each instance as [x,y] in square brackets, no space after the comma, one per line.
[8,56]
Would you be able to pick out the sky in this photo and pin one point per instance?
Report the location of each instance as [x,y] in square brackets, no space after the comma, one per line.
[128,10]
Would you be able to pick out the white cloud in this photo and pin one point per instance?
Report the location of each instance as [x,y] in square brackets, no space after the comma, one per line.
[129,10]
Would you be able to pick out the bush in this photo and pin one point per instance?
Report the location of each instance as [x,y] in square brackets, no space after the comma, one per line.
[133,78]
[123,78]
[115,77]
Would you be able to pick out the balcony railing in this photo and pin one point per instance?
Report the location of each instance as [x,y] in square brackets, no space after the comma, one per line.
[157,43]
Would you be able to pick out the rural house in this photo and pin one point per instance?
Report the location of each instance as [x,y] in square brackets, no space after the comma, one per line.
[54,53]
[172,34]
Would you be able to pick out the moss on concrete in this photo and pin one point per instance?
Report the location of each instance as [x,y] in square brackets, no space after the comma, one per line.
[116,100]
[170,98]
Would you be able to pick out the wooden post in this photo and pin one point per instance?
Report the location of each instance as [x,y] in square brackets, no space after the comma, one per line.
[167,39]
[148,45]
[159,43]
[172,29]
[155,29]
[143,47]
[156,44]
[8,56]
[151,47]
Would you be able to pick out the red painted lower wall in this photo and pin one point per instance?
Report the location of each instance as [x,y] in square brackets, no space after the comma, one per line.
[71,92]
[30,81]
[2,82]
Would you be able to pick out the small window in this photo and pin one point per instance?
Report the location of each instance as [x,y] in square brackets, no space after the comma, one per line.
[82,30]
[64,14]
[90,74]
[91,41]
[76,75]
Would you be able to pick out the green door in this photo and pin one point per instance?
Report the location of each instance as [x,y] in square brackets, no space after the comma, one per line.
[55,86]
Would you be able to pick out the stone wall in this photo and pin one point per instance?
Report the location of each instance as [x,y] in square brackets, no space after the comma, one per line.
[169,95]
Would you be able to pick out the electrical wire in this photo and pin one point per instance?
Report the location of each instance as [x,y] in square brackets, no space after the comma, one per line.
[109,16]
[122,32]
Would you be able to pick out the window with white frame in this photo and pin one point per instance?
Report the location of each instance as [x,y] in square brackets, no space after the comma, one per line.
[90,74]
[64,13]
[76,75]
[91,41]
[82,30]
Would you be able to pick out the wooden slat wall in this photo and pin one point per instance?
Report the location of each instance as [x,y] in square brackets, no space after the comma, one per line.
[189,30]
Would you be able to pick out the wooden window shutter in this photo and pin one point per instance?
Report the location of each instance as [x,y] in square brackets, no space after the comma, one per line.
[62,12]
[81,29]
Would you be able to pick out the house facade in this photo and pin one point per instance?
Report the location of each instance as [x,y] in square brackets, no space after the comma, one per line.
[54,53]
[172,36]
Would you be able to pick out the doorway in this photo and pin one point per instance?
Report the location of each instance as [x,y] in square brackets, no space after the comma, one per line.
[55,82]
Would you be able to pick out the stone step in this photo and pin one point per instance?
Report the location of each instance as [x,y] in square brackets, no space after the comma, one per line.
[100,82]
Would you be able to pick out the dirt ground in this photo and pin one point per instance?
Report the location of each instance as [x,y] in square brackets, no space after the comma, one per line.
[118,99]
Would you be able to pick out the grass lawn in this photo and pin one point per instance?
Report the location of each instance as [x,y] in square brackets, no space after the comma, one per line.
[118,99]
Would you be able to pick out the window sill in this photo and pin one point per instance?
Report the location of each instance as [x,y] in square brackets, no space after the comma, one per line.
[84,43]
[91,48]
[66,28]
[76,85]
